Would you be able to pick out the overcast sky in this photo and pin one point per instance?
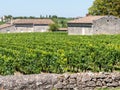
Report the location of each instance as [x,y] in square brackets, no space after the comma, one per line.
[63,8]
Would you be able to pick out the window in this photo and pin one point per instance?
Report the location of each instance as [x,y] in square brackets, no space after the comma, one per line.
[8,31]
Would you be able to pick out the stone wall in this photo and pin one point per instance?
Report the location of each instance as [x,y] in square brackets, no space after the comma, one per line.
[80,29]
[7,29]
[41,28]
[78,81]
[106,25]
[25,28]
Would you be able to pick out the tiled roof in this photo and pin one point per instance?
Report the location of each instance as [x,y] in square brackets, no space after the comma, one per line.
[5,25]
[27,21]
[87,19]
[32,21]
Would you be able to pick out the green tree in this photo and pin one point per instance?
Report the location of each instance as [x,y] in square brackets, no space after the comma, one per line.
[63,23]
[105,7]
[53,27]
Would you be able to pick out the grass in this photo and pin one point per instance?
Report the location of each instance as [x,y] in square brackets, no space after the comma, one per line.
[118,88]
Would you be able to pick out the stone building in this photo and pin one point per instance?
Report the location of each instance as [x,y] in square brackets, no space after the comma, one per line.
[91,25]
[26,25]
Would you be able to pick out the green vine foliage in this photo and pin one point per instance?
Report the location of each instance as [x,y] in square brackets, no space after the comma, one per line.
[33,53]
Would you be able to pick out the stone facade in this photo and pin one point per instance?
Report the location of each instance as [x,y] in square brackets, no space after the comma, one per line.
[25,28]
[26,25]
[101,25]
[7,29]
[41,28]
[106,25]
[77,29]
[78,81]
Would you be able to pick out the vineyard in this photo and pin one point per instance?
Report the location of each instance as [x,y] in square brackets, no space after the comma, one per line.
[32,53]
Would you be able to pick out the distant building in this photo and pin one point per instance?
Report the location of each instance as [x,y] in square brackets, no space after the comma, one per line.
[26,25]
[0,19]
[62,30]
[90,25]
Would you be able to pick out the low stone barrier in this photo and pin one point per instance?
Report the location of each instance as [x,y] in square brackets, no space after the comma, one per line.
[77,81]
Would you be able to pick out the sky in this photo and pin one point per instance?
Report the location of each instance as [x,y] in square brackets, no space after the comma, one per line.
[62,8]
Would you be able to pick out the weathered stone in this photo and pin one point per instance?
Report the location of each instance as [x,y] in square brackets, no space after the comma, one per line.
[65,82]
[101,76]
[81,83]
[58,85]
[72,81]
[86,78]
[119,83]
[75,88]
[117,78]
[104,86]
[99,83]
[107,80]
[61,78]
[74,76]
[79,79]
[94,79]
[70,86]
[39,83]
[103,83]
[66,75]
[1,86]
[58,81]
[55,80]
[49,87]
[91,84]
[113,84]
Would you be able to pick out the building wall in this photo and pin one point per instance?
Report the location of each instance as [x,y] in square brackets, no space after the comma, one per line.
[107,25]
[25,28]
[41,28]
[80,29]
[10,29]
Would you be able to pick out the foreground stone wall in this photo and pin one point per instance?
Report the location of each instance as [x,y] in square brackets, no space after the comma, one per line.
[78,81]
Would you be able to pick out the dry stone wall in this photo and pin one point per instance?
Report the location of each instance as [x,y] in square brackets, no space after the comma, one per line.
[78,81]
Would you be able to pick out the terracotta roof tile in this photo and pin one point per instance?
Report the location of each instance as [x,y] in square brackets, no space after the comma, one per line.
[5,25]
[87,19]
[32,21]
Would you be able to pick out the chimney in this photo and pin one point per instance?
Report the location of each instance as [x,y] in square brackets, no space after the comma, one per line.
[11,21]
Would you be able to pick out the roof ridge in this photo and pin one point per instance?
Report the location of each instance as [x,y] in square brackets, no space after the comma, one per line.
[86,19]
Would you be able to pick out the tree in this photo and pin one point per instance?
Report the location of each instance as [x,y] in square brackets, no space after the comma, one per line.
[54,16]
[105,7]
[53,27]
[63,23]
[8,16]
[32,17]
